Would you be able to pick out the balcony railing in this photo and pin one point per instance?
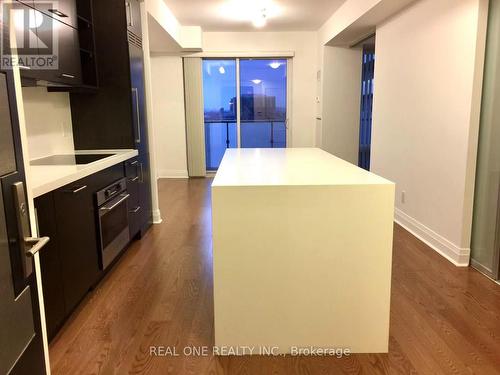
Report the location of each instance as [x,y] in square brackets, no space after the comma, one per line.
[222,134]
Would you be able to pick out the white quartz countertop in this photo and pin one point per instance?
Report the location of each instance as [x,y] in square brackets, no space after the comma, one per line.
[289,166]
[45,178]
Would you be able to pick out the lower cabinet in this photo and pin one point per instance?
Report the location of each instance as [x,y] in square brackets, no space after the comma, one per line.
[133,175]
[139,188]
[70,262]
[51,265]
[77,237]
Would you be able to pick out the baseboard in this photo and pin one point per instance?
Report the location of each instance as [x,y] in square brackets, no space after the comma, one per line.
[172,173]
[458,256]
[157,217]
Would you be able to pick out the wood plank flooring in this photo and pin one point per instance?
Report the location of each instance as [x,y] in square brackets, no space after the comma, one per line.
[444,320]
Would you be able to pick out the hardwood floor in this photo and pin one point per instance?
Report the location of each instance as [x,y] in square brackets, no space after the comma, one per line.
[444,320]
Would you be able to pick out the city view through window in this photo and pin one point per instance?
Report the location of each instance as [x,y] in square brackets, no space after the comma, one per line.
[262,97]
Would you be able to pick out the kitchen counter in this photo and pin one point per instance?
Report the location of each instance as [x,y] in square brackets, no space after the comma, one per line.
[302,252]
[45,178]
[289,166]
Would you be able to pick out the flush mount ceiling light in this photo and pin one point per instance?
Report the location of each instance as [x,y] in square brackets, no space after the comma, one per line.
[275,64]
[256,81]
[260,20]
[222,70]
[258,12]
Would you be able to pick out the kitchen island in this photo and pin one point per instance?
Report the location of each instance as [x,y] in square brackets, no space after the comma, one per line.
[302,251]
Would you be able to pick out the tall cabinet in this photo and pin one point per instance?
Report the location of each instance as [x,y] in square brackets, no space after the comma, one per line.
[114,116]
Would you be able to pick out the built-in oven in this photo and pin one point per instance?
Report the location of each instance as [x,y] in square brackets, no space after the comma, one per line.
[114,234]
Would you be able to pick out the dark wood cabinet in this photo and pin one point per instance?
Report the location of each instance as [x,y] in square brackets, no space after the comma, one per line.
[61,10]
[132,173]
[70,264]
[53,287]
[56,37]
[115,115]
[68,53]
[76,232]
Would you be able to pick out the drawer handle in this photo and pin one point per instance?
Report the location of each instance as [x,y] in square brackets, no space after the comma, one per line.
[123,198]
[77,190]
[64,75]
[58,13]
[134,179]
[134,162]
[135,210]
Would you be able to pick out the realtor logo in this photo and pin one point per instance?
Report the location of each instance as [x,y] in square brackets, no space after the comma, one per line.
[29,38]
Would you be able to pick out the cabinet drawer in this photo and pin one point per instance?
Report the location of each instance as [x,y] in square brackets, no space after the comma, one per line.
[132,173]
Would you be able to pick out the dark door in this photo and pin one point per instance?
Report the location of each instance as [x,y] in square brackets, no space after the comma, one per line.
[21,348]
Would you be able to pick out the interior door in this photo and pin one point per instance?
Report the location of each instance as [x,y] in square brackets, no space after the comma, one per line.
[21,348]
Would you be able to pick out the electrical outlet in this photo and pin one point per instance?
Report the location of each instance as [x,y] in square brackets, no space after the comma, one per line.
[403,197]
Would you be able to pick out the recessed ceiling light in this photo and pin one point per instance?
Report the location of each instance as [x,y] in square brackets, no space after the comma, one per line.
[256,81]
[222,70]
[275,64]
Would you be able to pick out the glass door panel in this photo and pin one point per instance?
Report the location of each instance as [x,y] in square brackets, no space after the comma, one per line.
[263,103]
[220,109]
[485,245]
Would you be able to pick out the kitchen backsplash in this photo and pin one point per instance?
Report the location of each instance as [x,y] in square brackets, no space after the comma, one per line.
[48,122]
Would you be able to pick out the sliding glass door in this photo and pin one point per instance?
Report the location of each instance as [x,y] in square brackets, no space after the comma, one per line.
[220,109]
[245,105]
[263,103]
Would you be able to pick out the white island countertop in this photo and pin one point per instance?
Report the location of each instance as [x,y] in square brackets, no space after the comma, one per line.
[289,166]
[45,178]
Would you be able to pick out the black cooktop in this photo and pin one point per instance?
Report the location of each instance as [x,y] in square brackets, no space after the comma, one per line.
[76,159]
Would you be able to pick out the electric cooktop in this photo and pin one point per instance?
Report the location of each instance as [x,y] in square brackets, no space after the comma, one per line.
[75,159]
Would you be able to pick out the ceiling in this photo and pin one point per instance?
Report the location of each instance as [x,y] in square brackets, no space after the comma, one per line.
[233,15]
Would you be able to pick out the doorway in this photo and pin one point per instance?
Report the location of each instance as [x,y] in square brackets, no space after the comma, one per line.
[245,105]
[365,124]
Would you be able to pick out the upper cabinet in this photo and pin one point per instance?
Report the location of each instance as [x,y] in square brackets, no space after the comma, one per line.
[61,10]
[53,56]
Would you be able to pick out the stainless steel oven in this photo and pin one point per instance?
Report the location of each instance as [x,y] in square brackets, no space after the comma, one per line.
[112,211]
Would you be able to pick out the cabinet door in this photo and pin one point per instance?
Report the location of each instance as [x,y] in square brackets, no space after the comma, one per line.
[141,132]
[76,229]
[145,199]
[69,56]
[133,11]
[132,172]
[51,266]
[58,39]
[61,10]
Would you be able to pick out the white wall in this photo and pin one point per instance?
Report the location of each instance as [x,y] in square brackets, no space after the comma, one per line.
[48,122]
[304,44]
[341,102]
[426,116]
[168,116]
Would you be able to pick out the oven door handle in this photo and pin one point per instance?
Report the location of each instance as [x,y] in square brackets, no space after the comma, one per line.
[120,200]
